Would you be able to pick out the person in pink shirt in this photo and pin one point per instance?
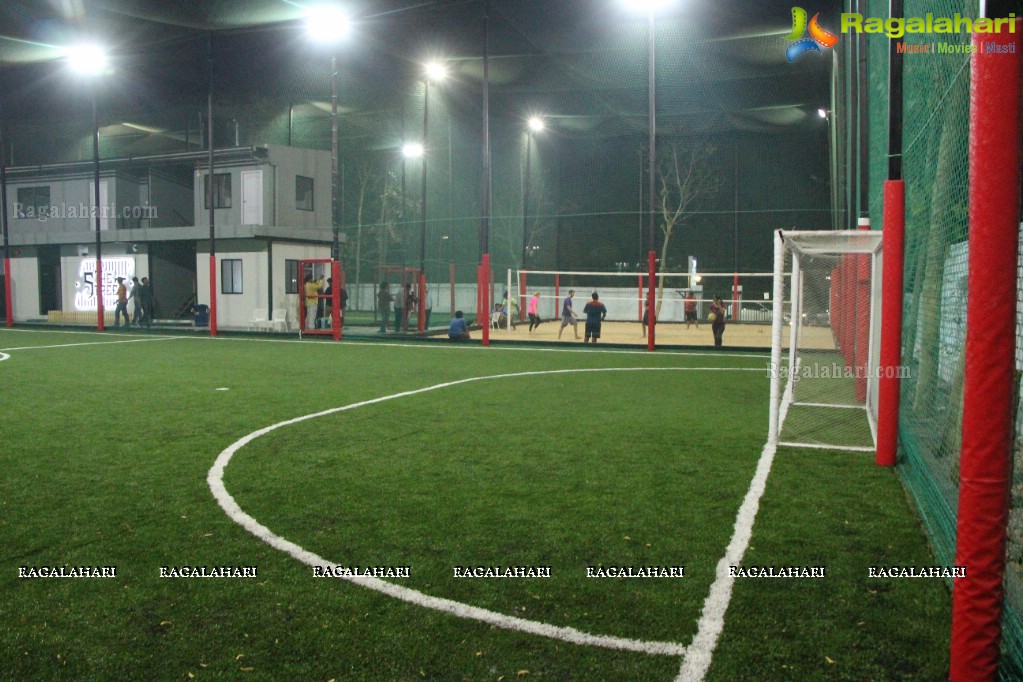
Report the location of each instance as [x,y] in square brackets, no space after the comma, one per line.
[534,306]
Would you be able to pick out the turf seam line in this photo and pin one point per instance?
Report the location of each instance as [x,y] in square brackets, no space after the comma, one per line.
[215,481]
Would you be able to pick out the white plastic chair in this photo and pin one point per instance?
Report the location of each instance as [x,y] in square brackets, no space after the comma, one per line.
[259,320]
[280,320]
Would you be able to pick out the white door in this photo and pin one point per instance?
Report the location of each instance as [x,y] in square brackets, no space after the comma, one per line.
[105,210]
[252,197]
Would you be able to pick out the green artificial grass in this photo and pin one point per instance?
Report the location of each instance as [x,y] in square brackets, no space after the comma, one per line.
[106,449]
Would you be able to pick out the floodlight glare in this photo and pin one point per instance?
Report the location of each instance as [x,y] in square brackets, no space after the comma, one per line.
[647,5]
[412,150]
[327,24]
[536,124]
[88,59]
[823,113]
[435,71]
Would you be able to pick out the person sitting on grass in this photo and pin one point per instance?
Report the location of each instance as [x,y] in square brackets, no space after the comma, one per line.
[458,330]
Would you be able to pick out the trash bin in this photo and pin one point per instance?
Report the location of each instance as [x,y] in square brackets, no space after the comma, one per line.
[202,315]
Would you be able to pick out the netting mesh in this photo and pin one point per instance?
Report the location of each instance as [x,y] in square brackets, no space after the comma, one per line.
[935,169]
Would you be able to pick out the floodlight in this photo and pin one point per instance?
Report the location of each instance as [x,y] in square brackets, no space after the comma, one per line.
[647,5]
[435,71]
[87,59]
[823,113]
[536,124]
[412,150]
[327,24]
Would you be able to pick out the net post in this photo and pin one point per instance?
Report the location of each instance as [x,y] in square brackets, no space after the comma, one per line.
[213,291]
[985,460]
[8,298]
[776,336]
[893,236]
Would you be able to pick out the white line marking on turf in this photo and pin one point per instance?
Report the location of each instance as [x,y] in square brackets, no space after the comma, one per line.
[215,480]
[4,356]
[712,621]
[97,343]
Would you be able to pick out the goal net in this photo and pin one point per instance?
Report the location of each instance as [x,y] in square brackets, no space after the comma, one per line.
[826,339]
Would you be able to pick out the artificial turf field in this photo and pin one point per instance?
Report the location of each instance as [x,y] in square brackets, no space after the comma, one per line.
[445,457]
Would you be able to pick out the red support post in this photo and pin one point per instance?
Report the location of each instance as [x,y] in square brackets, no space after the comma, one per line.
[640,300]
[213,295]
[485,303]
[891,322]
[861,330]
[8,299]
[651,339]
[522,296]
[100,313]
[421,310]
[985,463]
[335,298]
[735,297]
[557,297]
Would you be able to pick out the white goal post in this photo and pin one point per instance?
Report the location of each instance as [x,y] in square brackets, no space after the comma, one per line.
[827,313]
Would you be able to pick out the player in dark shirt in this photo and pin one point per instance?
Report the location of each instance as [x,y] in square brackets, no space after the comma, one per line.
[595,313]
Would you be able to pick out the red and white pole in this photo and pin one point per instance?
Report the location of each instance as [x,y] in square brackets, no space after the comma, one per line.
[485,298]
[985,464]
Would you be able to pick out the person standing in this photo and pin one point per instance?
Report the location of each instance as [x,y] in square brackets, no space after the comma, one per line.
[717,320]
[312,298]
[147,302]
[595,312]
[410,301]
[691,310]
[534,306]
[384,299]
[511,310]
[122,304]
[325,306]
[568,315]
[136,302]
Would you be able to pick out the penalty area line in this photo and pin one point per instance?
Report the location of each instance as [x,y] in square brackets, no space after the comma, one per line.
[215,481]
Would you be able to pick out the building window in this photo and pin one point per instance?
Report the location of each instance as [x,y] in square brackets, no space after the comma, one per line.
[221,190]
[231,276]
[33,202]
[291,276]
[303,193]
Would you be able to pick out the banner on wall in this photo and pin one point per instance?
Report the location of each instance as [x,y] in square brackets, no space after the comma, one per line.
[86,285]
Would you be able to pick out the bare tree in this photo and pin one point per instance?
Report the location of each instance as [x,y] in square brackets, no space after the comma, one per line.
[683,175]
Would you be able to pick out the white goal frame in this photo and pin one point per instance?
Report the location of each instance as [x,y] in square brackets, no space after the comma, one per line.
[810,243]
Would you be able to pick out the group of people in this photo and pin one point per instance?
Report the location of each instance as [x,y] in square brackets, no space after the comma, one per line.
[595,313]
[141,296]
[404,303]
[318,313]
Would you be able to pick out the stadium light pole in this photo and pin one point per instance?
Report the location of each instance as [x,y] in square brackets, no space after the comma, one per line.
[8,298]
[534,125]
[651,7]
[329,25]
[433,71]
[90,61]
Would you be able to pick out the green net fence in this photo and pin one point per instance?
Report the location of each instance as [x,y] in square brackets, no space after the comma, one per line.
[935,100]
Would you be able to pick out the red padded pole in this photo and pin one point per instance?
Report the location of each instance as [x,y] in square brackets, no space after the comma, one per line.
[891,322]
[985,465]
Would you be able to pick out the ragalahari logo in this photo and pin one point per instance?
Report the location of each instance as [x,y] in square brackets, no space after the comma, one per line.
[819,36]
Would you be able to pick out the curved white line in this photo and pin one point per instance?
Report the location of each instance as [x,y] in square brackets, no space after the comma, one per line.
[215,480]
